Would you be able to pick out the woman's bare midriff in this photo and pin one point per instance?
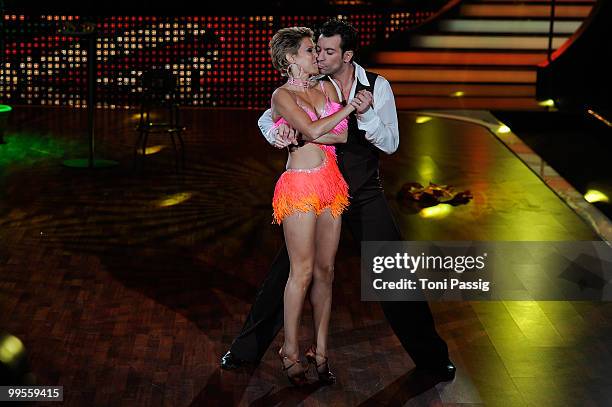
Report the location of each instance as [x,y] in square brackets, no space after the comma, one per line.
[305,157]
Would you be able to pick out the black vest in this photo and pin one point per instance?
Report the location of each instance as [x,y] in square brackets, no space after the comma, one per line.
[358,158]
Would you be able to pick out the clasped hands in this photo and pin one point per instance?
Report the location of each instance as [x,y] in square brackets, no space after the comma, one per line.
[286,135]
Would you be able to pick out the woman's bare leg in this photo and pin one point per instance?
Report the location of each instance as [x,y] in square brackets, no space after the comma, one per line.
[327,236]
[299,230]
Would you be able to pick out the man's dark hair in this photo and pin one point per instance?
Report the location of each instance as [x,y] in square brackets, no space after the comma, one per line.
[344,29]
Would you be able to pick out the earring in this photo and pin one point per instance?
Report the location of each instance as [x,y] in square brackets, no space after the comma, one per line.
[290,71]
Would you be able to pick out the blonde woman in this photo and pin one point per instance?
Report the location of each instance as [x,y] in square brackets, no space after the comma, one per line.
[309,196]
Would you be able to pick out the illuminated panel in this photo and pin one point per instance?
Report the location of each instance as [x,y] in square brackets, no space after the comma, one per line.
[219,61]
[401,21]
[456,75]
[447,57]
[40,66]
[486,42]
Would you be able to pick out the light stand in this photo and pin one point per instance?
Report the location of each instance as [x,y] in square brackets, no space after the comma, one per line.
[87,31]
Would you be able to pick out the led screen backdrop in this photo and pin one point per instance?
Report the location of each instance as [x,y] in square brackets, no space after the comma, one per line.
[219,61]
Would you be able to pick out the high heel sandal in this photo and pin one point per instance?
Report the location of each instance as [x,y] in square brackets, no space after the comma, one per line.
[298,379]
[325,375]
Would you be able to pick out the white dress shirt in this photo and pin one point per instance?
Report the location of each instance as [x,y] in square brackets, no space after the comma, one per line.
[380,122]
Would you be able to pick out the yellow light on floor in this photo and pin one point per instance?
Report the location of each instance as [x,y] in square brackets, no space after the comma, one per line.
[137,116]
[152,149]
[547,103]
[457,94]
[594,195]
[436,212]
[422,119]
[10,349]
[174,199]
[503,129]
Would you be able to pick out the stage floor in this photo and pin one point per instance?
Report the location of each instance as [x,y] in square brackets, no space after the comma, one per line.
[127,285]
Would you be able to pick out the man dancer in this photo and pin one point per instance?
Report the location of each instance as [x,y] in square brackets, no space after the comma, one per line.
[374,127]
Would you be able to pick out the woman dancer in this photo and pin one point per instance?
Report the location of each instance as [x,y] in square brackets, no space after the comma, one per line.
[309,196]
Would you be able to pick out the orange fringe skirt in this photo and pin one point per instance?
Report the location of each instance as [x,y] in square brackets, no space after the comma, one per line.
[311,189]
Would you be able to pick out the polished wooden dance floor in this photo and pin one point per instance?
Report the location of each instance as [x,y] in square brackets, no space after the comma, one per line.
[127,285]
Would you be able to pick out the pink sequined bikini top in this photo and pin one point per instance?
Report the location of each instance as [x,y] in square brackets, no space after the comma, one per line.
[330,108]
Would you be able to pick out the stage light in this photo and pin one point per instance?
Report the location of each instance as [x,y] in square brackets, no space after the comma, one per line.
[503,129]
[14,368]
[457,94]
[547,103]
[593,195]
[11,349]
[436,212]
[423,119]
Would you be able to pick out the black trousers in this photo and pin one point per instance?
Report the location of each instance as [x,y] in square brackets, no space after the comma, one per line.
[368,218]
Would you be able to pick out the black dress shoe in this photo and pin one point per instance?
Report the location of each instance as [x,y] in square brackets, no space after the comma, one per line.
[443,373]
[229,361]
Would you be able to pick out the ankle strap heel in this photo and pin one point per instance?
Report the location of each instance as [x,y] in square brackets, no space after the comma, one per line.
[323,372]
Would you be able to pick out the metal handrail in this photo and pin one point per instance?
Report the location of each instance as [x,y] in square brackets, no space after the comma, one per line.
[551,28]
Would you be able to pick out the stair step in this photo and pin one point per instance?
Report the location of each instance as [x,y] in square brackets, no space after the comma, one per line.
[488,103]
[485,42]
[533,1]
[523,10]
[456,75]
[457,58]
[507,26]
[485,58]
[468,90]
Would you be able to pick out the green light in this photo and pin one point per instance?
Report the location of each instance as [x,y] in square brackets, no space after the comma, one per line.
[26,149]
[84,163]
[5,108]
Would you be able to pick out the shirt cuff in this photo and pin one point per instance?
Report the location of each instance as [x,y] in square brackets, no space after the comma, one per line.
[366,117]
[270,135]
[368,122]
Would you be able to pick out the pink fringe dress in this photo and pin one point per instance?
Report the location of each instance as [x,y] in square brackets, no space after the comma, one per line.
[313,189]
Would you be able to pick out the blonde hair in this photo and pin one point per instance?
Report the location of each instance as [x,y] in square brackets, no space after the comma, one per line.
[287,41]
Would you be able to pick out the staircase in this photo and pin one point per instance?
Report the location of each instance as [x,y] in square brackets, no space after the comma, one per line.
[480,54]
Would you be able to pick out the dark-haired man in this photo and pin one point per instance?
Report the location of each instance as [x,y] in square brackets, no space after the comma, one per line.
[373,128]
